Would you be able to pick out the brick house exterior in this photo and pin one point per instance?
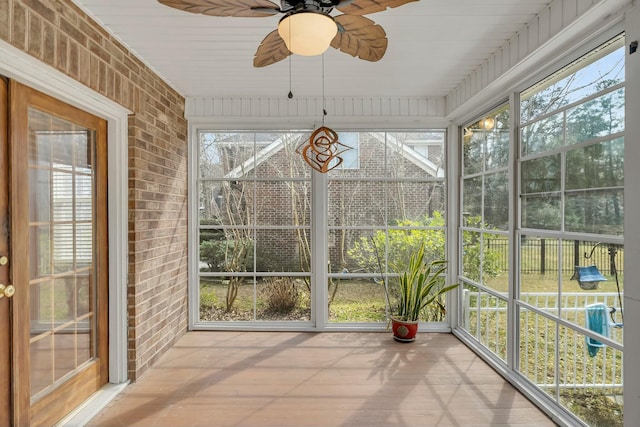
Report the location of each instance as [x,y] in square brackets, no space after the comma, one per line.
[358,201]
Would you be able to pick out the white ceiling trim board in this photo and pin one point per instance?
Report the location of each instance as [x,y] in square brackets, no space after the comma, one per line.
[307,112]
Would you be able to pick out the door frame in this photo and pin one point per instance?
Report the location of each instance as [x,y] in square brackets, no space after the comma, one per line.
[5,303]
[29,71]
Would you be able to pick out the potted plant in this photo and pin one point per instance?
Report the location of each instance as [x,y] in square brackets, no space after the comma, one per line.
[419,290]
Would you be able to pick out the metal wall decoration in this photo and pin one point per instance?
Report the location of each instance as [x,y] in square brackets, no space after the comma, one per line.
[322,150]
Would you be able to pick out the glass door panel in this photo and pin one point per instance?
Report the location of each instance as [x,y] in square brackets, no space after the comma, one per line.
[61,210]
[58,196]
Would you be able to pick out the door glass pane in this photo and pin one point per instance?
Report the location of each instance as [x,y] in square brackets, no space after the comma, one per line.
[41,364]
[39,196]
[40,250]
[61,240]
[64,342]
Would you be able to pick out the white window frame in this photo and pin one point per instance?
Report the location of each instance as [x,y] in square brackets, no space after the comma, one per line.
[509,369]
[319,228]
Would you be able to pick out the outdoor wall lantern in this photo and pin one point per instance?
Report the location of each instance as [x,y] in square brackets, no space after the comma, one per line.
[487,124]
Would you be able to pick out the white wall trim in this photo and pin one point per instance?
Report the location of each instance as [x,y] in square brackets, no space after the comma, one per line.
[631,225]
[25,69]
[306,113]
[454,269]
[193,202]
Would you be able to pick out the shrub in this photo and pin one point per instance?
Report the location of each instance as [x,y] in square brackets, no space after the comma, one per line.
[281,294]
[208,297]
[401,244]
[226,255]
[471,260]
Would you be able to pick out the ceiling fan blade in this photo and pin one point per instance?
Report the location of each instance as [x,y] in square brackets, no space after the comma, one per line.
[271,50]
[364,7]
[361,37]
[243,8]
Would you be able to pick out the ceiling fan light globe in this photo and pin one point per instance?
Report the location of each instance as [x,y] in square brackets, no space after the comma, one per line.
[307,33]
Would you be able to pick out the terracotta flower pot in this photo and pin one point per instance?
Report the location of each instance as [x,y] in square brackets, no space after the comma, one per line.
[404,331]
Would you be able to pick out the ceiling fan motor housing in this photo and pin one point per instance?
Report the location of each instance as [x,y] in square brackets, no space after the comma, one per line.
[312,5]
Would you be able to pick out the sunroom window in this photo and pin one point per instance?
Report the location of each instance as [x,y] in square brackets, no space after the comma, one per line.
[541,236]
[572,216]
[484,235]
[265,220]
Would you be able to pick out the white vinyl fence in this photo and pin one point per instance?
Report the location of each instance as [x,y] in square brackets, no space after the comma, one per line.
[485,317]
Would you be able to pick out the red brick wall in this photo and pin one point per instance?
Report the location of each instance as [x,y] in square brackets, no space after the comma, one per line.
[62,36]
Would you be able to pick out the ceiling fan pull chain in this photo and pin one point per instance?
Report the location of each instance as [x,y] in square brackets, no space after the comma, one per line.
[290,94]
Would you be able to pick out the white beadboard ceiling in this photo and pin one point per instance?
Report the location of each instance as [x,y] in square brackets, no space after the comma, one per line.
[433,46]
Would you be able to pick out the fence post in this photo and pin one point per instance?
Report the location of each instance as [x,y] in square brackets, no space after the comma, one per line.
[613,251]
[576,254]
[543,255]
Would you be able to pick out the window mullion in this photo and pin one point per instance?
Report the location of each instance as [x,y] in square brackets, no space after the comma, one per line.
[319,249]
[513,337]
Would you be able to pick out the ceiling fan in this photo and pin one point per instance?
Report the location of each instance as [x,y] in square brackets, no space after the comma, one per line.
[307,27]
